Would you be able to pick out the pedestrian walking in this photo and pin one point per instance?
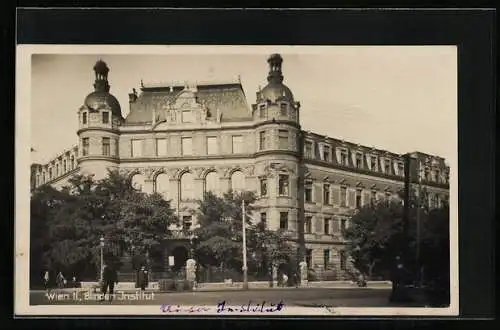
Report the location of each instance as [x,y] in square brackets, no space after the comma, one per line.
[109,279]
[285,280]
[46,278]
[60,280]
[143,278]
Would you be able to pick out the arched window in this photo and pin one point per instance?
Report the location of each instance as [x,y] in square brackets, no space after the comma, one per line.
[187,186]
[72,162]
[161,185]
[138,182]
[238,181]
[212,183]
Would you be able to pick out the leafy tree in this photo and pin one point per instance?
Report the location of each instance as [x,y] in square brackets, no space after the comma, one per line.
[67,225]
[220,232]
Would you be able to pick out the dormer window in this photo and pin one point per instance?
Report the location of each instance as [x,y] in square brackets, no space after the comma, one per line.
[326,153]
[308,149]
[401,169]
[387,166]
[105,117]
[84,118]
[438,176]
[283,109]
[344,157]
[359,160]
[373,163]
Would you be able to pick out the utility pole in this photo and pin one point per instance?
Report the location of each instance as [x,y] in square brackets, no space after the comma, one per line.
[245,268]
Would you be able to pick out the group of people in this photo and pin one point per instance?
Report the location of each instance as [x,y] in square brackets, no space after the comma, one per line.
[110,278]
[61,281]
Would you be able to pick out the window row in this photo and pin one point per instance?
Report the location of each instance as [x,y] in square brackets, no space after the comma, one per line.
[105,117]
[56,170]
[264,110]
[186,185]
[283,139]
[329,226]
[343,258]
[186,147]
[283,186]
[105,147]
[357,160]
[342,199]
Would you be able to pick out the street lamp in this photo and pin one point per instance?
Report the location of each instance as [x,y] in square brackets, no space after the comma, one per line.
[245,266]
[192,237]
[102,256]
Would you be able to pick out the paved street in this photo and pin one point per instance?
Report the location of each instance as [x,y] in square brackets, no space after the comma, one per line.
[305,297]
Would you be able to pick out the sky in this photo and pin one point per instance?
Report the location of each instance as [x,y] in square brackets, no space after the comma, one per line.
[394,98]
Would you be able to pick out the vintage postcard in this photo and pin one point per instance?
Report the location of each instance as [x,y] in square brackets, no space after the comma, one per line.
[236,180]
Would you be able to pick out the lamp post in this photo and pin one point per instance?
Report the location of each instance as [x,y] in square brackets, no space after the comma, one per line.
[245,267]
[102,256]
[192,237]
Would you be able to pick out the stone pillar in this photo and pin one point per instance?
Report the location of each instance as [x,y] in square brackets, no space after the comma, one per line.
[303,273]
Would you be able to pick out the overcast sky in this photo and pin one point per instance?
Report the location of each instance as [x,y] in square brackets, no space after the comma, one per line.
[399,99]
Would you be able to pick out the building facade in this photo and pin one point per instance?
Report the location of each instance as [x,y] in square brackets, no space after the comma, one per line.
[182,140]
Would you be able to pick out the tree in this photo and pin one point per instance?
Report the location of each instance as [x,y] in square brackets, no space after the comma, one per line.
[372,236]
[375,236]
[220,231]
[67,225]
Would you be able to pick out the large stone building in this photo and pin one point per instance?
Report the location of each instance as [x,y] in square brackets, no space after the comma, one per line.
[185,139]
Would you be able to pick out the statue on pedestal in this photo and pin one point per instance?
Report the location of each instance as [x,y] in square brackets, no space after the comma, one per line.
[191,270]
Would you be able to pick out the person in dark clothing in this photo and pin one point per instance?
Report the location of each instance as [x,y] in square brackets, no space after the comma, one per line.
[143,278]
[109,279]
[398,281]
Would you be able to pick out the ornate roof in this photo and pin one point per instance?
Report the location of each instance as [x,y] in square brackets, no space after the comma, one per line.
[229,98]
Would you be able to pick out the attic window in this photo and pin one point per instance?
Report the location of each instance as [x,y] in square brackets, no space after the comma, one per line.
[84,118]
[283,109]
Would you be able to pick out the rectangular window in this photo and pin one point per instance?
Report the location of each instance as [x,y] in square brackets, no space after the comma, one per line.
[358,198]
[343,196]
[326,153]
[85,146]
[187,146]
[187,116]
[387,166]
[72,162]
[308,192]
[326,258]
[263,187]
[105,117]
[308,224]
[212,145]
[283,109]
[344,158]
[161,147]
[373,163]
[84,118]
[65,166]
[283,185]
[237,144]
[106,146]
[50,173]
[57,169]
[283,139]
[284,220]
[359,160]
[136,148]
[263,219]
[326,226]
[326,194]
[438,176]
[343,223]
[308,150]
[262,140]
[343,260]
[262,111]
[187,221]
[309,254]
[401,169]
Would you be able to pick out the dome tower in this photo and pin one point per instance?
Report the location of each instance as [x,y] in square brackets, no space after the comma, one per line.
[99,119]
[277,129]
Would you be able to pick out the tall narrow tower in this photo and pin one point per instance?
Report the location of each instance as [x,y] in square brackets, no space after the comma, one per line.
[279,150]
[99,119]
